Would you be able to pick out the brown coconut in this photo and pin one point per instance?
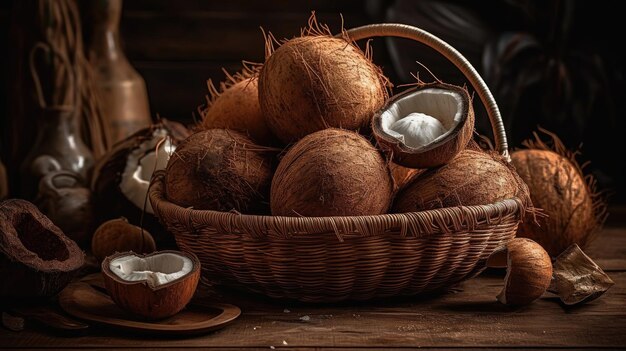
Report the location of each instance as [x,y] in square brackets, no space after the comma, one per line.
[221,170]
[557,185]
[319,81]
[36,258]
[117,235]
[473,177]
[236,106]
[449,104]
[332,172]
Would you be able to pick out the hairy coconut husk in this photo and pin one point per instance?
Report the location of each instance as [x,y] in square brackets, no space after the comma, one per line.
[332,172]
[236,105]
[473,177]
[574,211]
[439,151]
[36,258]
[221,170]
[110,202]
[318,81]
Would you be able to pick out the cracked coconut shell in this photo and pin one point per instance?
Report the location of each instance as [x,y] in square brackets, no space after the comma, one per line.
[117,189]
[448,105]
[36,258]
[332,172]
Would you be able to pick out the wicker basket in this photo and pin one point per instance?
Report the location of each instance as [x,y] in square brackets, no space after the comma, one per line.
[325,259]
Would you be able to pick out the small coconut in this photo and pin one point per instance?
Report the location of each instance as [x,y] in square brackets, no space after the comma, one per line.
[117,235]
[332,172]
[221,170]
[153,286]
[528,271]
[318,81]
[122,177]
[473,177]
[236,106]
[425,126]
[574,212]
[36,258]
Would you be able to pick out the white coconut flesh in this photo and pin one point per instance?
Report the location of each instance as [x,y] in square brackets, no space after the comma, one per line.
[424,117]
[156,270]
[140,165]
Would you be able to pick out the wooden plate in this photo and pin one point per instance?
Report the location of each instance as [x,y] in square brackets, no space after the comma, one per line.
[89,302]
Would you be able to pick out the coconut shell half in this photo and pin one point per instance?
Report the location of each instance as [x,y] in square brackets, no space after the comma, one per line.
[109,198]
[36,258]
[147,297]
[449,104]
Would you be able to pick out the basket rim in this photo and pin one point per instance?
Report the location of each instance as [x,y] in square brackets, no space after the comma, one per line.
[410,224]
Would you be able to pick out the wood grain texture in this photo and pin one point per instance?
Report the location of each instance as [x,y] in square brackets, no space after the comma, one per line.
[469,316]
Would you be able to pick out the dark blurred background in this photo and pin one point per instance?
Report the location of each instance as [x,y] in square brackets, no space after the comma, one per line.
[550,63]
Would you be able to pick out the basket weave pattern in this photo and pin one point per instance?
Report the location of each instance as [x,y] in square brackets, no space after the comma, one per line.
[328,259]
[325,259]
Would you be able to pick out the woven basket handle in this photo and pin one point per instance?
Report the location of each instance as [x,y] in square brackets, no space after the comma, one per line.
[450,53]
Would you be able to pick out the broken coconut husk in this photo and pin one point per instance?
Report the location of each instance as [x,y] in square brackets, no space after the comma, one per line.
[576,278]
[425,126]
[236,105]
[122,177]
[574,210]
[36,258]
[317,81]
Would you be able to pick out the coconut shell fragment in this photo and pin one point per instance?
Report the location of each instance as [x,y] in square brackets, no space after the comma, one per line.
[577,279]
[36,258]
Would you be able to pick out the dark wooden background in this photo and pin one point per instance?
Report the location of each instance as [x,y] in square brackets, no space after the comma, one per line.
[178,45]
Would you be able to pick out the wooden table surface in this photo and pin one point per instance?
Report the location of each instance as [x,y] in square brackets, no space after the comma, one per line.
[467,316]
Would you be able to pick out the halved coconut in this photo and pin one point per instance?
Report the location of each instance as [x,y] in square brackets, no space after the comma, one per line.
[36,258]
[154,286]
[122,177]
[426,126]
